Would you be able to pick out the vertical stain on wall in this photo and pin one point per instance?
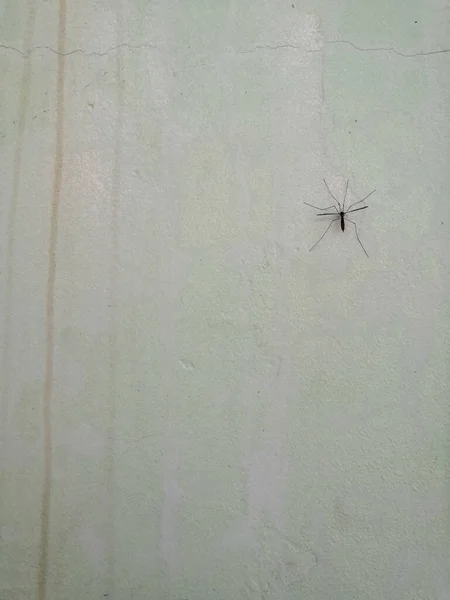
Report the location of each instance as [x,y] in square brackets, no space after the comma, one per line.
[113,287]
[50,305]
[12,217]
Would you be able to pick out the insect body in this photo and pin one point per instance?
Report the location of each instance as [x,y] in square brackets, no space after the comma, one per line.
[340,215]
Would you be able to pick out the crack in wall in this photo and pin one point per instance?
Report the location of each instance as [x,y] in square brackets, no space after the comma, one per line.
[268,47]
[77,50]
[27,53]
[404,54]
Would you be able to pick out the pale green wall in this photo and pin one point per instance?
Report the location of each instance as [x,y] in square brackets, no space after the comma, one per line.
[193,406]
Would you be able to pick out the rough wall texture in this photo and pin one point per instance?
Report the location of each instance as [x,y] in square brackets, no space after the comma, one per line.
[193,406]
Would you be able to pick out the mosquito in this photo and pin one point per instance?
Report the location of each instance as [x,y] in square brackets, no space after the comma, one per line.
[340,214]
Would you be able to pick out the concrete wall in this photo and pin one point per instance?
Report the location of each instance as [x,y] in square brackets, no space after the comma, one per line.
[193,406]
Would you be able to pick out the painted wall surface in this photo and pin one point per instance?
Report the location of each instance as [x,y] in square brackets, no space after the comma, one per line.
[193,406]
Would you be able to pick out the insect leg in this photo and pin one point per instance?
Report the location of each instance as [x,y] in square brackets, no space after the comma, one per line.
[359,201]
[357,236]
[318,207]
[355,209]
[329,191]
[345,196]
[323,235]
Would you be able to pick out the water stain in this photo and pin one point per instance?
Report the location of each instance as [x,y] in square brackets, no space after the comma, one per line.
[50,306]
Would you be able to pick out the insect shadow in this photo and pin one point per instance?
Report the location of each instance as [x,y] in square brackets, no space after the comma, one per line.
[340,214]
